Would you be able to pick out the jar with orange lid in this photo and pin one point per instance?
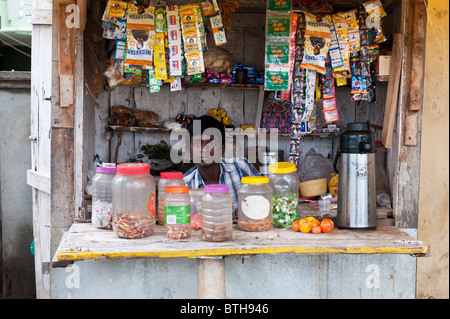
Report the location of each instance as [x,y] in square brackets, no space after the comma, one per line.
[167,179]
[283,180]
[177,215]
[255,204]
[133,201]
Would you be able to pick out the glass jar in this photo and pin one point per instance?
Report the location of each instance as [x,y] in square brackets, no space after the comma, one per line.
[102,195]
[167,179]
[255,204]
[133,193]
[283,180]
[217,213]
[177,222]
[196,207]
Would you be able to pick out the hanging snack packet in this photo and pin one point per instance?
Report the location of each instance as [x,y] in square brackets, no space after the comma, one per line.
[117,9]
[374,6]
[120,50]
[210,8]
[218,30]
[352,31]
[120,30]
[335,51]
[139,47]
[160,19]
[317,42]
[278,26]
[139,15]
[152,82]
[309,94]
[330,112]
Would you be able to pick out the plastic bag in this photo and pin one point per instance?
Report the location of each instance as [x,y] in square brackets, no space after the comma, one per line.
[315,166]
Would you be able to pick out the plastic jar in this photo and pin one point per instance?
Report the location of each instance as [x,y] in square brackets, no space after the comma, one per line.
[167,179]
[255,204]
[102,195]
[217,213]
[196,207]
[133,190]
[283,180]
[177,222]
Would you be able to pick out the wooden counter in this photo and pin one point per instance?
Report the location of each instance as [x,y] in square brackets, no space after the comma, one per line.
[85,242]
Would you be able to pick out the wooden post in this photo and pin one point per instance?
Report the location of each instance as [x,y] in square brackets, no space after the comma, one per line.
[211,278]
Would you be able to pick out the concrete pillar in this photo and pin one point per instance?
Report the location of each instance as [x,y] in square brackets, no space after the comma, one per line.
[211,278]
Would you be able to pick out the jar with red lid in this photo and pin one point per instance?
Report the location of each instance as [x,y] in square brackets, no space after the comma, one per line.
[133,201]
[177,214]
[167,179]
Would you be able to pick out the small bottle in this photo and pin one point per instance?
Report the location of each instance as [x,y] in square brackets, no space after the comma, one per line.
[217,213]
[102,196]
[177,216]
[167,179]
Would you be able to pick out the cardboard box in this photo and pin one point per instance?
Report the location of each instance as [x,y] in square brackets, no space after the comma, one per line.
[383,65]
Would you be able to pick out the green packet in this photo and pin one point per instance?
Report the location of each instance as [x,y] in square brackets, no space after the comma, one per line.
[152,82]
[160,19]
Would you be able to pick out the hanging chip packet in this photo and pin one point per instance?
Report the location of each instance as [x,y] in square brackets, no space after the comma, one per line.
[317,42]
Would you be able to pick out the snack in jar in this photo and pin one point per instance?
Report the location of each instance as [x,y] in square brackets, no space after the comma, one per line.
[283,180]
[196,207]
[102,195]
[217,213]
[167,179]
[133,201]
[177,216]
[255,204]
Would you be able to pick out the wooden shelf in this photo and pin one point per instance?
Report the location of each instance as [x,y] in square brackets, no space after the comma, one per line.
[85,242]
[139,129]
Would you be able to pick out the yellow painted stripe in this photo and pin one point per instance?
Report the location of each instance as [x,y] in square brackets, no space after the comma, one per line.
[90,255]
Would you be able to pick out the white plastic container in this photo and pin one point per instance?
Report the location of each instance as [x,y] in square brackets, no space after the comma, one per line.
[217,214]
[133,190]
[102,196]
[255,204]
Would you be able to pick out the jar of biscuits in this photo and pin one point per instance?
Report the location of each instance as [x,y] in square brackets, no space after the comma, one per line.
[167,179]
[133,201]
[177,215]
[255,204]
[217,214]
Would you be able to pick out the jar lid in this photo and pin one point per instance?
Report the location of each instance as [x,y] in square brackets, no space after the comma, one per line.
[108,170]
[282,167]
[133,169]
[171,175]
[255,180]
[216,188]
[177,189]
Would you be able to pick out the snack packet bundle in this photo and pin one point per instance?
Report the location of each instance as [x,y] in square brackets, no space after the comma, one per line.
[309,94]
[352,31]
[317,42]
[160,57]
[192,42]
[329,109]
[174,38]
[376,12]
[340,25]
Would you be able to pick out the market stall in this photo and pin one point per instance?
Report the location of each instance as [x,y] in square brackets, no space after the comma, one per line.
[128,75]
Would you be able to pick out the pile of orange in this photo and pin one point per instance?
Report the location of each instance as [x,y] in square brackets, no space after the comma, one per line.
[311,224]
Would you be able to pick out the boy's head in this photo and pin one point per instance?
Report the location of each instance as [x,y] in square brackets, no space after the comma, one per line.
[205,133]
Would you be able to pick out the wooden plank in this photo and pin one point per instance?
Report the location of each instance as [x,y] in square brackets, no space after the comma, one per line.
[416,53]
[39,181]
[84,242]
[259,109]
[392,93]
[65,43]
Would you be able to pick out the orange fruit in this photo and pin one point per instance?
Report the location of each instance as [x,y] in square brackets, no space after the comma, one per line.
[326,225]
[305,225]
[295,225]
[313,220]
[316,229]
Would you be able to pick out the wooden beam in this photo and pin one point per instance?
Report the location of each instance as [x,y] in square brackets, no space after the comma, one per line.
[390,109]
[66,45]
[416,53]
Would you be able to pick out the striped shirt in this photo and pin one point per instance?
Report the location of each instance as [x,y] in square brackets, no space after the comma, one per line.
[231,172]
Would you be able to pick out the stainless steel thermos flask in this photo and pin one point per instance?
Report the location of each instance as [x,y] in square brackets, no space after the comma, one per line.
[356,184]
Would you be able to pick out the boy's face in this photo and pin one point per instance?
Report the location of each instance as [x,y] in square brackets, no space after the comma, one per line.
[206,150]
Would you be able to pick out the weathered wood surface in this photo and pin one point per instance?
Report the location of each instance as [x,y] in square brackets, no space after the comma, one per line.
[83,242]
